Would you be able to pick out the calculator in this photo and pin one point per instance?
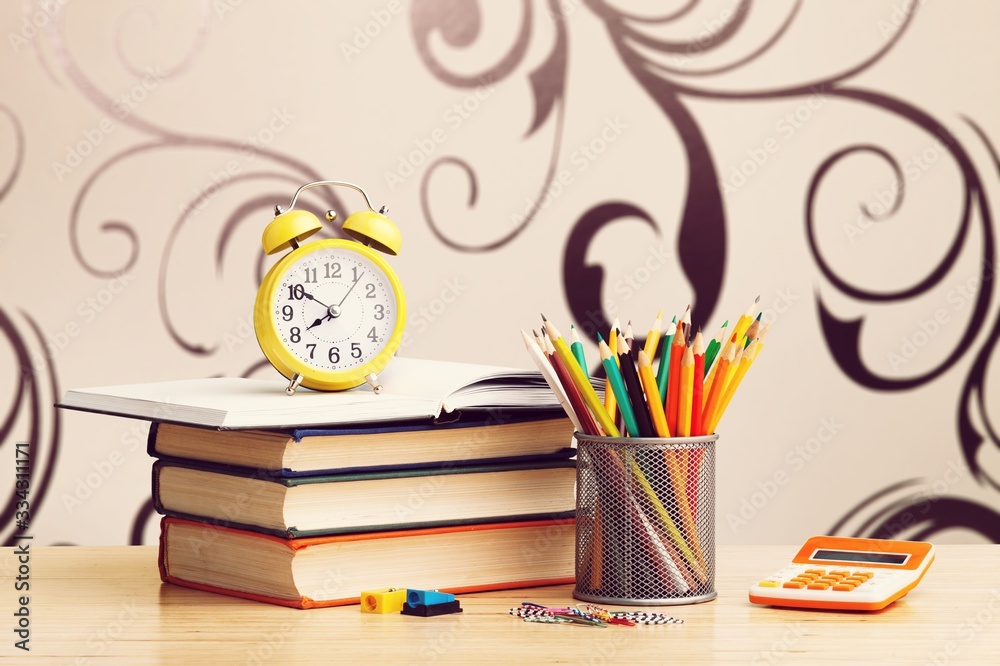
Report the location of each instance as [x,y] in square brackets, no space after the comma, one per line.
[846,573]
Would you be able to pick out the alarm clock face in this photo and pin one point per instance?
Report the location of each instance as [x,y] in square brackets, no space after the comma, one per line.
[334,313]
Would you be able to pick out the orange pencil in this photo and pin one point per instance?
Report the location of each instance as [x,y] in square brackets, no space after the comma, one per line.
[715,394]
[710,380]
[697,397]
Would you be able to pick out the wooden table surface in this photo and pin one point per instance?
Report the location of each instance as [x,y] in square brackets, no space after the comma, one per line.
[91,605]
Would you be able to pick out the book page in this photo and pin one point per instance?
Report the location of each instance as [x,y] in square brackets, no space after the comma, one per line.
[412,388]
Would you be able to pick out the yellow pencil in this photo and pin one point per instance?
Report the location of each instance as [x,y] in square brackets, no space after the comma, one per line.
[610,403]
[745,362]
[582,381]
[653,339]
[686,389]
[745,320]
[652,395]
[538,356]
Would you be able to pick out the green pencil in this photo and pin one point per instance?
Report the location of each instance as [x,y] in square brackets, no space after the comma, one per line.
[663,370]
[577,348]
[618,386]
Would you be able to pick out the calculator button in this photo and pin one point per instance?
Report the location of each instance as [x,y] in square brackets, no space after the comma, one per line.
[863,574]
[769,583]
[843,588]
[828,579]
[795,585]
[840,573]
[819,586]
[818,572]
[853,580]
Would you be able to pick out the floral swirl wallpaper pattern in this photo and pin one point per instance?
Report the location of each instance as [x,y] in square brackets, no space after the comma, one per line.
[700,233]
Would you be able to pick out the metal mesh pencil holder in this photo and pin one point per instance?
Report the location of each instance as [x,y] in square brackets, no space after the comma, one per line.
[645,520]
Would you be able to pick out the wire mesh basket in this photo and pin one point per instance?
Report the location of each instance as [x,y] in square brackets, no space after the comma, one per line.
[645,520]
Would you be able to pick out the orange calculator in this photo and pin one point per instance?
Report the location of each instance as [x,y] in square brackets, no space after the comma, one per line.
[845,573]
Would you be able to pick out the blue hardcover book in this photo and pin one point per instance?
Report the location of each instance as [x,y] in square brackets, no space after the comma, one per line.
[473,438]
[370,501]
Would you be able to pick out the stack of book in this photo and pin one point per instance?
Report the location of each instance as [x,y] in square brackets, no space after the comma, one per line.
[457,477]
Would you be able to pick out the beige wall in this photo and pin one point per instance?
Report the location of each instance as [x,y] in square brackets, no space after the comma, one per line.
[143,144]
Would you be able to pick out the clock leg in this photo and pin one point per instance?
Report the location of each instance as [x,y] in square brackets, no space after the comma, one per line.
[293,383]
[372,379]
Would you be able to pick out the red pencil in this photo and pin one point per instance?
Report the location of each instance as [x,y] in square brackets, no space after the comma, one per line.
[575,397]
[697,411]
[674,379]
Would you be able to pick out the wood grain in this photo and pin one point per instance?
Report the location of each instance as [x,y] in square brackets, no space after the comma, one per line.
[107,604]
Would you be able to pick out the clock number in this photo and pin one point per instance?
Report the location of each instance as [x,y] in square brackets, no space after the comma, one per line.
[311,275]
[371,335]
[312,349]
[296,292]
[369,290]
[334,355]
[332,270]
[356,275]
[379,311]
[355,350]
[287,312]
[295,335]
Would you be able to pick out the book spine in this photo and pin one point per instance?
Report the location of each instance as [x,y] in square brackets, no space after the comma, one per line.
[151,439]
[155,482]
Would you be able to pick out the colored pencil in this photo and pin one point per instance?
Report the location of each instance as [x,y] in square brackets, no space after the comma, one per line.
[653,400]
[715,393]
[590,427]
[715,346]
[686,388]
[663,370]
[618,387]
[697,397]
[577,348]
[751,333]
[745,363]
[653,337]
[674,380]
[610,402]
[544,367]
[582,381]
[631,378]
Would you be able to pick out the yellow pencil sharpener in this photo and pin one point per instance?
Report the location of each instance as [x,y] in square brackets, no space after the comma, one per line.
[386,600]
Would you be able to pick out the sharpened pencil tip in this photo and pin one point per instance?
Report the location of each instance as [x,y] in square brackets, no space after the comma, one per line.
[599,338]
[544,318]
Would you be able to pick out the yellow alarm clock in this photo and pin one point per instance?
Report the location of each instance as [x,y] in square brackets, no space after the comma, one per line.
[330,314]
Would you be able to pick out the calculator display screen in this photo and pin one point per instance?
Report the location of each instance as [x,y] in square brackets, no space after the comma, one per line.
[859,556]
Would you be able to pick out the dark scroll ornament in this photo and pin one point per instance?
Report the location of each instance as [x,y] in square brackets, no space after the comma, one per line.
[459,23]
[145,513]
[906,510]
[35,391]
[584,282]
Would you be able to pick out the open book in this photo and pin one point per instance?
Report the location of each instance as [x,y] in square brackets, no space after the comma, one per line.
[412,389]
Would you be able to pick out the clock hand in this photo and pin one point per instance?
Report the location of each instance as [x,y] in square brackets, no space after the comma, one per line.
[350,290]
[315,300]
[319,321]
